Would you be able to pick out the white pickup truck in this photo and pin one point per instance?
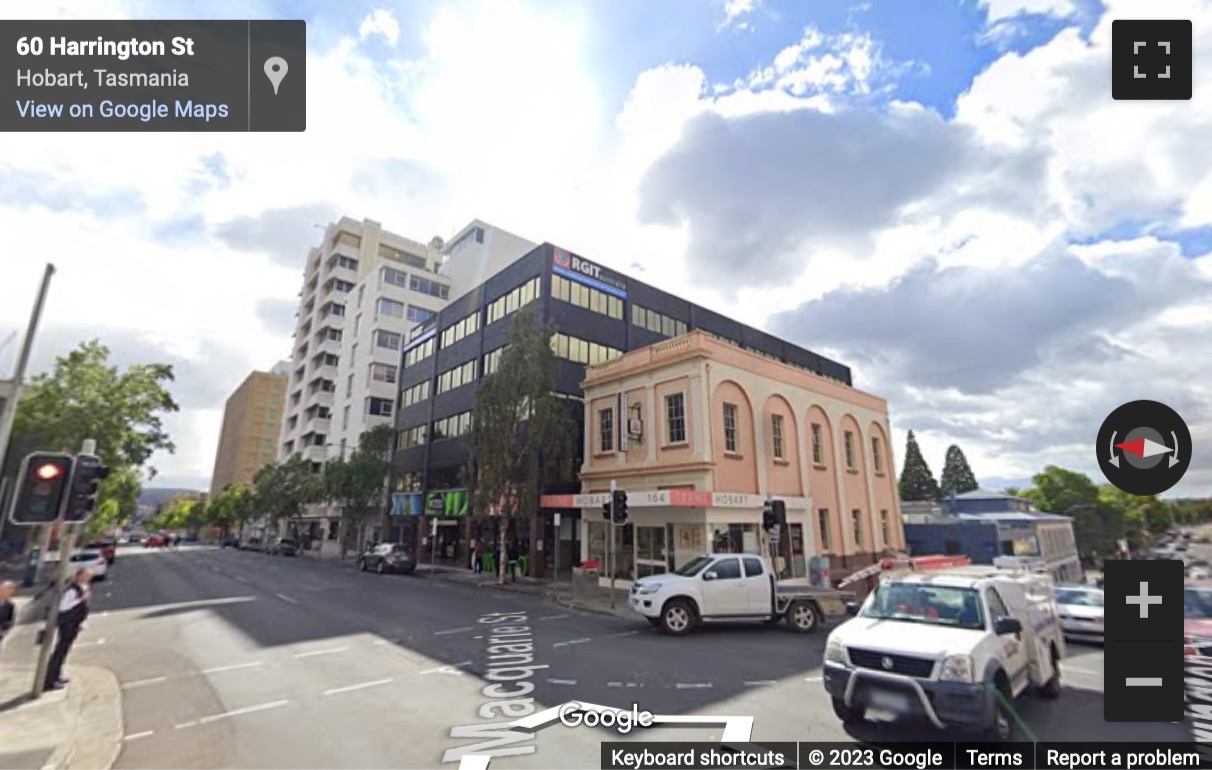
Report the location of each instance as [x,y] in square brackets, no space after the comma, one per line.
[731,587]
[956,646]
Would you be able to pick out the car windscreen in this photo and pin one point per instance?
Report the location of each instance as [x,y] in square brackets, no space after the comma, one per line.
[928,604]
[1079,598]
[90,556]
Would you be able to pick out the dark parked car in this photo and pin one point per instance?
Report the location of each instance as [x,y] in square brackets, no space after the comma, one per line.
[284,547]
[388,557]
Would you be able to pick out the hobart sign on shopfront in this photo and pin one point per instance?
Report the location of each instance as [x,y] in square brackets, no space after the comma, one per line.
[669,498]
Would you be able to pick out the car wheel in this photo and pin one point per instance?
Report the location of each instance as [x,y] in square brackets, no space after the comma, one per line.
[1052,688]
[802,617]
[850,715]
[678,617]
[1001,728]
[379,568]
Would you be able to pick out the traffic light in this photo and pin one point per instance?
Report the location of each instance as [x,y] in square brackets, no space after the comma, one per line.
[620,506]
[768,520]
[41,486]
[86,479]
[779,508]
[606,511]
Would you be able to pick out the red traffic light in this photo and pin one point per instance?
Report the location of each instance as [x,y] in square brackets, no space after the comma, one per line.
[49,471]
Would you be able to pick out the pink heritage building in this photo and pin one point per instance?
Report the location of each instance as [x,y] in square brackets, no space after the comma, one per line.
[699,432]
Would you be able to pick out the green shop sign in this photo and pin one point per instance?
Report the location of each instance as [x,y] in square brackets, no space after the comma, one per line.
[447,502]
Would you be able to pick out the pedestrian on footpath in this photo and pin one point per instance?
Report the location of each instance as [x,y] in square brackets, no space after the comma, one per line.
[8,611]
[511,553]
[73,610]
[477,559]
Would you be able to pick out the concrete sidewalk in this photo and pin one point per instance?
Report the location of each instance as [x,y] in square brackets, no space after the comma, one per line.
[76,728]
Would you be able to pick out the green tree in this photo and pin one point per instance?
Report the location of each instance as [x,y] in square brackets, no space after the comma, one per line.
[917,482]
[231,507]
[281,492]
[522,435]
[957,475]
[359,483]
[84,396]
[1097,525]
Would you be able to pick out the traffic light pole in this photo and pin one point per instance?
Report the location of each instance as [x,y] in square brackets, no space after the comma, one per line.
[67,543]
[9,411]
[610,555]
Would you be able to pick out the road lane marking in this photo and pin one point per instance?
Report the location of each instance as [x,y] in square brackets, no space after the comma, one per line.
[286,598]
[234,713]
[241,579]
[137,736]
[233,667]
[813,678]
[695,686]
[759,682]
[90,644]
[454,630]
[562,681]
[621,633]
[361,686]
[572,641]
[143,682]
[319,652]
[1079,670]
[555,617]
[614,684]
[454,669]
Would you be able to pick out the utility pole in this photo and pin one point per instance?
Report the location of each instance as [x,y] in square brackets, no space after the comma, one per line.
[67,542]
[9,412]
[610,555]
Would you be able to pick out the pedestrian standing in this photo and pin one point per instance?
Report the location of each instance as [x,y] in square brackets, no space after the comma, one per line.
[73,610]
[8,611]
[477,559]
[511,553]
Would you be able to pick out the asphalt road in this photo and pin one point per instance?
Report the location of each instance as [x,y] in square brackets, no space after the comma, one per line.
[233,659]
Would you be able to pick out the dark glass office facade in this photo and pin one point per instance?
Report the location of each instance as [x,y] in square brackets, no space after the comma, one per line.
[598,314]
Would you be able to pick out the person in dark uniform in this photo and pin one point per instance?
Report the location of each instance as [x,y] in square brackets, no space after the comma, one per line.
[73,610]
[8,611]
[511,553]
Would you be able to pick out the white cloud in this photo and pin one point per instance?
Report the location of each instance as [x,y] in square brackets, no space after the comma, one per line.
[382,23]
[737,13]
[1001,10]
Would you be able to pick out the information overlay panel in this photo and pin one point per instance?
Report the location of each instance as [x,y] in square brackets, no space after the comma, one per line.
[153,76]
[636,755]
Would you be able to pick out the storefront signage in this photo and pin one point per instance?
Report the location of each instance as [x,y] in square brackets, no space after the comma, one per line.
[623,433]
[583,271]
[671,498]
[407,504]
[447,502]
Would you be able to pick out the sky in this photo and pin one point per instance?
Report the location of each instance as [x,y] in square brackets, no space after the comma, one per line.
[941,195]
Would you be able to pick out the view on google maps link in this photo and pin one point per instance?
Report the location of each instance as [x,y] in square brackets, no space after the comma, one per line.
[510,384]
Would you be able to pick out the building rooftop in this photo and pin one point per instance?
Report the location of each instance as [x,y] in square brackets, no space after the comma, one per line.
[986,494]
[1010,516]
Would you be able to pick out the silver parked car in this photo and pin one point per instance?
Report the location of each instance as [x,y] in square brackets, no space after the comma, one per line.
[1080,609]
[388,557]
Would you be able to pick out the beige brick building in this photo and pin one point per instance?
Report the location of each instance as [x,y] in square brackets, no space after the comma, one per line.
[252,419]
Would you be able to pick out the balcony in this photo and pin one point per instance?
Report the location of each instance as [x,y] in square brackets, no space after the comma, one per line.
[316,425]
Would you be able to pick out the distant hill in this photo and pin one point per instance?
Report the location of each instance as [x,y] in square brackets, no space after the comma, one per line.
[153,496]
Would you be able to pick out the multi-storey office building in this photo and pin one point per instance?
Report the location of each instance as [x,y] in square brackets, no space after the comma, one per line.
[599,315]
[252,417]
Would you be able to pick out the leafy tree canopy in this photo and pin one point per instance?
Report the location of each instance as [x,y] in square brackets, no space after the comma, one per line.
[359,483]
[522,434]
[84,396]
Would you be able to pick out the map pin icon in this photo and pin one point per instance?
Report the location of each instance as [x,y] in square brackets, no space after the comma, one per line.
[275,70]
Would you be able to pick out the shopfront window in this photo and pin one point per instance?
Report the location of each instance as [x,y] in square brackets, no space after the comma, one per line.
[735,538]
[651,555]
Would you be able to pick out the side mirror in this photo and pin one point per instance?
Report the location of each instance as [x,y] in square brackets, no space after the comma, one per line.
[709,575]
[1007,626]
[852,608]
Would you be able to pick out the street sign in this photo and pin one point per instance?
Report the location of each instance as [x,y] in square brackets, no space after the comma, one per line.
[555,519]
[775,534]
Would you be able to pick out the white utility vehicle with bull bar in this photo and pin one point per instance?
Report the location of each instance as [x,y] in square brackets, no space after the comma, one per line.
[732,587]
[956,645]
